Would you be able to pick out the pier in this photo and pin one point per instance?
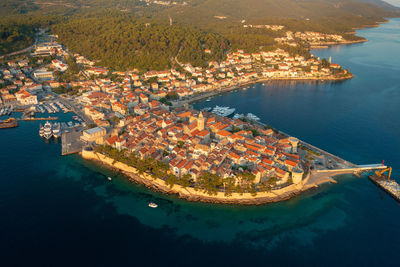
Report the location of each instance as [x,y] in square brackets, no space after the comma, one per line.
[318,177]
[38,119]
[391,187]
[71,143]
[383,181]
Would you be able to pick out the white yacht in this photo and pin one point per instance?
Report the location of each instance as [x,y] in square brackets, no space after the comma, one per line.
[47,131]
[252,117]
[56,130]
[223,111]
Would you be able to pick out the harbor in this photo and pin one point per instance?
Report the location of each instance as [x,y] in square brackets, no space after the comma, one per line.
[55,126]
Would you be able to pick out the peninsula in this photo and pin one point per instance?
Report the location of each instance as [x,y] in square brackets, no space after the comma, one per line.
[140,122]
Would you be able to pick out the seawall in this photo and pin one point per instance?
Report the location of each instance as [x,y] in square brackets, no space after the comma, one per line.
[196,195]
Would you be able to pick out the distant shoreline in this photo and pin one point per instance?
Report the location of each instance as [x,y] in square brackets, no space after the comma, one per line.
[197,98]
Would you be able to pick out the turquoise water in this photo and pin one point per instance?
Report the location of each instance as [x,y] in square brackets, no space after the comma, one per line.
[59,211]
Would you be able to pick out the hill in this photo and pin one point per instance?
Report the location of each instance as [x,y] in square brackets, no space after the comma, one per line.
[115,32]
[121,42]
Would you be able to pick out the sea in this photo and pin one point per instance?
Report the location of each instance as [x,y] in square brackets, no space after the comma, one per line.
[63,211]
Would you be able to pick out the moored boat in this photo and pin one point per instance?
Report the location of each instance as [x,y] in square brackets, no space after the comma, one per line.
[56,130]
[47,131]
[41,131]
[223,111]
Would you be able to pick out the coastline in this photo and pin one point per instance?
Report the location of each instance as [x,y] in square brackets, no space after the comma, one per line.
[199,97]
[193,195]
[190,194]
[328,44]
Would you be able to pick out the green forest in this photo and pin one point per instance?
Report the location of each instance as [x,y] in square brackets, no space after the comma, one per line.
[125,34]
[122,42]
[14,37]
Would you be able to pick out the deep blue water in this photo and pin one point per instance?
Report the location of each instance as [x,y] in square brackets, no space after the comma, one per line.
[62,211]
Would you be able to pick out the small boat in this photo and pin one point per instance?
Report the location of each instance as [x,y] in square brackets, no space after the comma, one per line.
[153,205]
[109,178]
[208,99]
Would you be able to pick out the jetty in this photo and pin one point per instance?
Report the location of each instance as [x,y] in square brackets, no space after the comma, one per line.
[9,123]
[38,119]
[391,187]
[318,177]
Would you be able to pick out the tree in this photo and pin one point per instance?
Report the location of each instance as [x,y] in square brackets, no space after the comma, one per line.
[171,180]
[229,186]
[180,144]
[210,183]
[185,180]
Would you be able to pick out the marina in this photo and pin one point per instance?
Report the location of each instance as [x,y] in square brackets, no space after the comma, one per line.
[6,110]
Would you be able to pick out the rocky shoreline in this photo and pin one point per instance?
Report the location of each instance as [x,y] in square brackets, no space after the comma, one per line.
[190,194]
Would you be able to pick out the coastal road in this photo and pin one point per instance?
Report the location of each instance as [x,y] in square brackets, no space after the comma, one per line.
[25,50]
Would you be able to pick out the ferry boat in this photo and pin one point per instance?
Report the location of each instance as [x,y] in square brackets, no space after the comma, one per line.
[47,131]
[223,111]
[153,205]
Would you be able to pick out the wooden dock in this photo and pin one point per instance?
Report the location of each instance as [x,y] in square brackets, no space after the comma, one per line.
[391,187]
